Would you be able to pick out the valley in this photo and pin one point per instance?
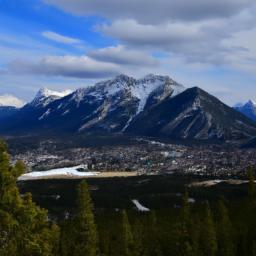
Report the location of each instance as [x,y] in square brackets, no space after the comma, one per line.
[127,128]
[140,143]
[118,153]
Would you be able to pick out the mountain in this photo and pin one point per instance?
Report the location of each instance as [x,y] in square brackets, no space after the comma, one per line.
[151,106]
[107,106]
[46,96]
[248,109]
[193,114]
[6,111]
[24,119]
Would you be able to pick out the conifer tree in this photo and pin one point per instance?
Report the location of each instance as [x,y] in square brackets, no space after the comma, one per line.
[195,234]
[224,231]
[185,239]
[67,238]
[154,236]
[208,242]
[128,246]
[55,239]
[24,228]
[85,231]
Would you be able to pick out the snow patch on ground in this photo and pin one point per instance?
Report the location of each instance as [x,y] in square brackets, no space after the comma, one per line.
[139,206]
[68,172]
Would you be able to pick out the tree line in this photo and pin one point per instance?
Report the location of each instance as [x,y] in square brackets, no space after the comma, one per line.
[219,229]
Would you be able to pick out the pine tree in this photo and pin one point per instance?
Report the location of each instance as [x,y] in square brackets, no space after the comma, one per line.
[154,248]
[185,242]
[66,239]
[24,228]
[85,231]
[208,243]
[224,231]
[128,246]
[55,239]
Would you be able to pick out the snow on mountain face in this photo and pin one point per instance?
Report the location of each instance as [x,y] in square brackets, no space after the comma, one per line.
[140,89]
[46,96]
[127,91]
[10,101]
[109,105]
[44,92]
[147,85]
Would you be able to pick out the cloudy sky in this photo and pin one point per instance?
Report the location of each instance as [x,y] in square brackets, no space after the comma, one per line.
[66,44]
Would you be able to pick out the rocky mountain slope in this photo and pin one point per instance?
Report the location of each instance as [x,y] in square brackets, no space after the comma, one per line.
[107,106]
[193,114]
[152,106]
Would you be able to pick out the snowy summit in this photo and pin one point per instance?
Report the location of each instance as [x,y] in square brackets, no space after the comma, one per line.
[45,96]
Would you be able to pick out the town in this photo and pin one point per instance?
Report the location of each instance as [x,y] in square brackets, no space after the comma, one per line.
[143,156]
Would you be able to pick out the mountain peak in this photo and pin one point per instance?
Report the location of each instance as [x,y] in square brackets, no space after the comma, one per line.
[251,103]
[248,109]
[155,77]
[45,92]
[45,96]
[123,77]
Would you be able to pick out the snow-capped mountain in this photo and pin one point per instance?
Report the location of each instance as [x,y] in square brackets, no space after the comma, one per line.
[248,109]
[45,96]
[8,100]
[151,106]
[124,97]
[107,106]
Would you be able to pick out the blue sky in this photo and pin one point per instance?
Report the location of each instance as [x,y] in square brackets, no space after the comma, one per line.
[63,44]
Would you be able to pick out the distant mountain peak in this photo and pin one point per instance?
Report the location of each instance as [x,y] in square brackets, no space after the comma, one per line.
[8,100]
[251,103]
[45,92]
[248,109]
[44,96]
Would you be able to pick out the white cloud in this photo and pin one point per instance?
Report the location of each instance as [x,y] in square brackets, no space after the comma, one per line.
[67,66]
[213,41]
[123,56]
[152,11]
[195,42]
[60,38]
[11,101]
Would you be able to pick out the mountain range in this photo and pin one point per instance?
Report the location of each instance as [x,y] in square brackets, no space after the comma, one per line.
[154,106]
